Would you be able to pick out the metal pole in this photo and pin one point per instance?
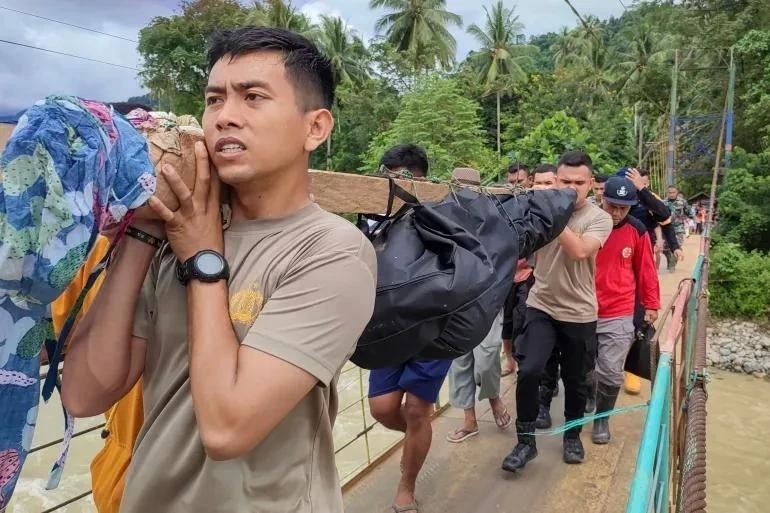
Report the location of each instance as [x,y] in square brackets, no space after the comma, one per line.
[730,115]
[672,121]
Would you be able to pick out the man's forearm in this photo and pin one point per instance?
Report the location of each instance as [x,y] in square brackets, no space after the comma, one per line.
[213,348]
[99,353]
[574,245]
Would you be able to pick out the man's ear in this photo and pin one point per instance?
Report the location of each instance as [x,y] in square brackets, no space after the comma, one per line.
[320,124]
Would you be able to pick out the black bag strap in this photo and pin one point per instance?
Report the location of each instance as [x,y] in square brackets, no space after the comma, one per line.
[396,191]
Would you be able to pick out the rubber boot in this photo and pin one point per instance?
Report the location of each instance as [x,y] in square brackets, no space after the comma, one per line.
[591,386]
[573,448]
[544,412]
[606,396]
[632,384]
[525,451]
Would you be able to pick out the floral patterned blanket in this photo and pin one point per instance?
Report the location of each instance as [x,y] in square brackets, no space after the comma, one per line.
[71,169]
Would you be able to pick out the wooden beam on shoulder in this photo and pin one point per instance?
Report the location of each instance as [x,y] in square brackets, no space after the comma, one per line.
[348,193]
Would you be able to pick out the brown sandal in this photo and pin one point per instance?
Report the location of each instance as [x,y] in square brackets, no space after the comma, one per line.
[461,434]
[409,507]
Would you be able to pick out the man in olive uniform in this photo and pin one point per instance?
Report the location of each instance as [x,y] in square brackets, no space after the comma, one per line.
[679,213]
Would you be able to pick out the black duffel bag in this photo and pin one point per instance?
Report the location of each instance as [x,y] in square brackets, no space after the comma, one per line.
[445,268]
[638,360]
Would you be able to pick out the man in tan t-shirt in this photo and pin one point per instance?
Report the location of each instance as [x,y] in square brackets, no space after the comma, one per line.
[562,313]
[239,334]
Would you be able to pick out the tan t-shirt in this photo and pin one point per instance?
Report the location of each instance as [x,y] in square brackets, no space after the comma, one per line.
[302,289]
[565,288]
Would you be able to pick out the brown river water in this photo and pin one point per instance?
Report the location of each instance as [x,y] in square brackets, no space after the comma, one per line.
[738,450]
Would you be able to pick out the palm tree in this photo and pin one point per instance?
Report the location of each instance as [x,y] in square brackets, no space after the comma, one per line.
[344,48]
[277,13]
[419,28]
[499,60]
[568,48]
[644,49]
[347,53]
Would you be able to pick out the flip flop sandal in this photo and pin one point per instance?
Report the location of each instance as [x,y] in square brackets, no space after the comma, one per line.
[404,509]
[464,435]
[500,416]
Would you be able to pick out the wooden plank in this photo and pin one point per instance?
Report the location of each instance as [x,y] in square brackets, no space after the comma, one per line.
[347,193]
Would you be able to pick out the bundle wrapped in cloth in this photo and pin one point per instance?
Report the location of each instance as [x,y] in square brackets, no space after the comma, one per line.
[71,169]
[172,141]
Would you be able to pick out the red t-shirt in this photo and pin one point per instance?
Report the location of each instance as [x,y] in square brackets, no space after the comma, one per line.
[625,267]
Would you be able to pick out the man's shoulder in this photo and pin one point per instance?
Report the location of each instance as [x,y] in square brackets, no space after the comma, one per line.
[329,234]
[597,214]
[637,225]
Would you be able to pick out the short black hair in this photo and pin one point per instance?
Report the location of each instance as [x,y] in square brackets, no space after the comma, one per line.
[410,156]
[516,167]
[306,67]
[600,178]
[545,168]
[576,159]
[643,172]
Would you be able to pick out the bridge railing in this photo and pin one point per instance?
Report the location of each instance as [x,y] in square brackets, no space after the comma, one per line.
[671,463]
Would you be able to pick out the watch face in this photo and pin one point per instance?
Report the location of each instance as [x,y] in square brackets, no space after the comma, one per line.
[209,263]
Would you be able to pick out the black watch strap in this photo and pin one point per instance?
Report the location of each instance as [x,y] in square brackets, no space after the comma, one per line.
[186,271]
[136,233]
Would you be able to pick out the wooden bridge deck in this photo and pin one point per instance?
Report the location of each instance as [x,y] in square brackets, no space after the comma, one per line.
[466,477]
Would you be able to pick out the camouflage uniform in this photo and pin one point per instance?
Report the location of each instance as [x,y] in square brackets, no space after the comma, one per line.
[679,213]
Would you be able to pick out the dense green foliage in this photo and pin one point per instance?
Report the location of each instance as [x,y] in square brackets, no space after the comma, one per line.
[739,282]
[438,117]
[591,87]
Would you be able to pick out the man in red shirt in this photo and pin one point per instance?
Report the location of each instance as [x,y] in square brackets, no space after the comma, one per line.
[624,268]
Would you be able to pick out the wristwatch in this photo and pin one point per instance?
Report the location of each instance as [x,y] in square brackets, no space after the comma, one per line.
[207,266]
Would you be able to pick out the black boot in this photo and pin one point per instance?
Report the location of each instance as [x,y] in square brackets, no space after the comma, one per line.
[606,396]
[591,386]
[544,412]
[525,450]
[573,448]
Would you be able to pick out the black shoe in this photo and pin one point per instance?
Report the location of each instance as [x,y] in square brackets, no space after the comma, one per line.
[543,418]
[525,451]
[573,450]
[605,401]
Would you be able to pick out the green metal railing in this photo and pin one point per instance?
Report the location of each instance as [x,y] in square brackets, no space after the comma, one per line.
[670,467]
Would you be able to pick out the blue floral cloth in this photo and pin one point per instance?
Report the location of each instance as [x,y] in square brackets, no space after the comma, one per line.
[70,169]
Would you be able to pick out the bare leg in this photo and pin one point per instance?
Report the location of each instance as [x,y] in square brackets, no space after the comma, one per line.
[388,411]
[419,434]
[509,367]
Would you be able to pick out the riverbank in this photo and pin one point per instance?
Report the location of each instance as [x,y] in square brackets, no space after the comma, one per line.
[739,346]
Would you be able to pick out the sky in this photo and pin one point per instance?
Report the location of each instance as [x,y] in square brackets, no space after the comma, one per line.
[27,75]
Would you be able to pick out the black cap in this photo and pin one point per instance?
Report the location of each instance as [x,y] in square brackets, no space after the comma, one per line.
[619,190]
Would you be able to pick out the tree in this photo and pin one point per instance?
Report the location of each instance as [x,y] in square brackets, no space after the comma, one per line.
[348,58]
[277,13]
[498,61]
[173,49]
[419,28]
[439,118]
[556,135]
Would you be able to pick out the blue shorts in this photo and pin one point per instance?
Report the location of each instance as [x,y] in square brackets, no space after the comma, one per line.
[422,378]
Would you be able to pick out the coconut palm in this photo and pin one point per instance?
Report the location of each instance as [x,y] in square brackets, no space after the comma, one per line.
[277,13]
[419,28]
[499,60]
[347,53]
[644,49]
[568,48]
